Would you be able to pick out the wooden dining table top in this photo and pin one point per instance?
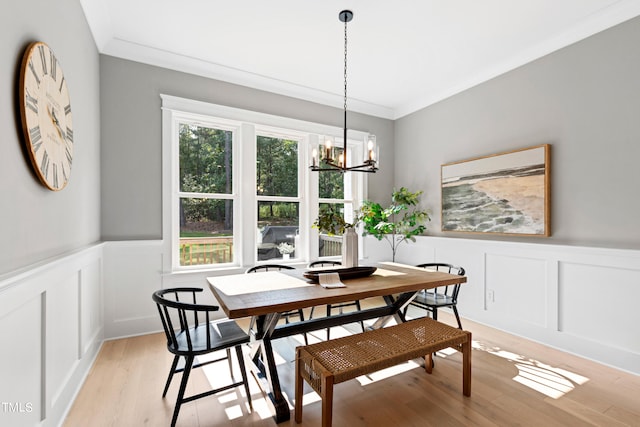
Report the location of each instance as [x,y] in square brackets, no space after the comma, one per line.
[256,294]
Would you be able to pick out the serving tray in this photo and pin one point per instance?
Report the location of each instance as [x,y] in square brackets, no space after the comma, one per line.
[345,273]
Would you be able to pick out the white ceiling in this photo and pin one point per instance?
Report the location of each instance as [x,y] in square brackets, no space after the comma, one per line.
[403,54]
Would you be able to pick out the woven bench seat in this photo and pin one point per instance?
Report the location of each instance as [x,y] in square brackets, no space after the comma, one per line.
[334,361]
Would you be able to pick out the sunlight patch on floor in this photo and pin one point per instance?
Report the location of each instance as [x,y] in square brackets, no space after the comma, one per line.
[261,408]
[228,397]
[233,412]
[551,381]
[311,397]
[386,373]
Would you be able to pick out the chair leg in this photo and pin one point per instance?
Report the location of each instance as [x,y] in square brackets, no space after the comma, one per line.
[434,315]
[360,309]
[183,388]
[298,390]
[301,314]
[171,372]
[243,372]
[328,315]
[455,311]
[230,363]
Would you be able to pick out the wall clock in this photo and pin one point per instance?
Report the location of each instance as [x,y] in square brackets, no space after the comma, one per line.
[45,110]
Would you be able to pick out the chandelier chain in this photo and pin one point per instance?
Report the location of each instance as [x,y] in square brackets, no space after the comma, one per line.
[345,65]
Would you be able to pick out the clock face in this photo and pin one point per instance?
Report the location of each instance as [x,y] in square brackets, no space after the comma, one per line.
[47,123]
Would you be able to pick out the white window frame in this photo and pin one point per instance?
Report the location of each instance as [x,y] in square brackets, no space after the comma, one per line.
[245,125]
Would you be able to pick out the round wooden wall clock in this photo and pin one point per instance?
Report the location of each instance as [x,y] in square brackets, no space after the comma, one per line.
[45,109]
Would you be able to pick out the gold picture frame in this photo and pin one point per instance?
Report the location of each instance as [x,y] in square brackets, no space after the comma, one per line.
[505,193]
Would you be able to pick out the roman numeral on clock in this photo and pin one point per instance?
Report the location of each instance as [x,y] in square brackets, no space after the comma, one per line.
[43,59]
[54,65]
[36,138]
[34,72]
[31,102]
[55,176]
[44,165]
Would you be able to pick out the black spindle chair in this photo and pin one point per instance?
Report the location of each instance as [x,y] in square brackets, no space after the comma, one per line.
[443,296]
[190,333]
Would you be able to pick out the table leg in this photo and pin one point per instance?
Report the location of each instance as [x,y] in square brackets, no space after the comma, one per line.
[264,369]
[398,305]
[263,365]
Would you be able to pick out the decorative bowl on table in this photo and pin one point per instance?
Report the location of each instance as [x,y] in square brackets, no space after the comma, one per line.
[345,273]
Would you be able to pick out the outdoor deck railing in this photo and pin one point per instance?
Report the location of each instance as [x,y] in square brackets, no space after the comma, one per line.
[217,250]
[206,250]
[332,245]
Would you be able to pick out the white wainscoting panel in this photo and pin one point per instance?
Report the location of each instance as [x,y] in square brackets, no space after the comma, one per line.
[63,333]
[51,326]
[505,278]
[21,363]
[602,293]
[91,306]
[132,272]
[578,299]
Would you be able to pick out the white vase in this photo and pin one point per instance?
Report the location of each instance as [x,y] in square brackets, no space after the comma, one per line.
[286,256]
[350,248]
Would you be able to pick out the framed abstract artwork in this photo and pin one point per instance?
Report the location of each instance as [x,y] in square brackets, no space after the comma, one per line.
[505,193]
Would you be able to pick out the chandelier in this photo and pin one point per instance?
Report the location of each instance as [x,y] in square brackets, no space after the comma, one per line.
[334,159]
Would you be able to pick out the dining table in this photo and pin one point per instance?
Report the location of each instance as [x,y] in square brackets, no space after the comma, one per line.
[264,296]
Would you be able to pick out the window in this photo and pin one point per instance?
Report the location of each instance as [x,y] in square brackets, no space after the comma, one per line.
[278,197]
[205,196]
[238,193]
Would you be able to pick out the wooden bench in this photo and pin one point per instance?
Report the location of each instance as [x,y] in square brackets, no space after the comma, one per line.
[334,361]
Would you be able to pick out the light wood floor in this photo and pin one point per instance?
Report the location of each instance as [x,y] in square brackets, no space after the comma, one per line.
[515,382]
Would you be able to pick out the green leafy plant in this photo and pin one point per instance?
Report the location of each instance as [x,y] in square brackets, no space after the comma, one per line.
[400,222]
[331,222]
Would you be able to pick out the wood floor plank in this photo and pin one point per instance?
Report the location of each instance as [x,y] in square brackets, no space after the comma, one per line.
[584,413]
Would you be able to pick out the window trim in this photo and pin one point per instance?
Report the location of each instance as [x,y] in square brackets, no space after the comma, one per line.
[246,124]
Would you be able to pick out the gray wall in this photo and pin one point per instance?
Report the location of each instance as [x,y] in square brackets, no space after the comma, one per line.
[131,137]
[584,100]
[36,223]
